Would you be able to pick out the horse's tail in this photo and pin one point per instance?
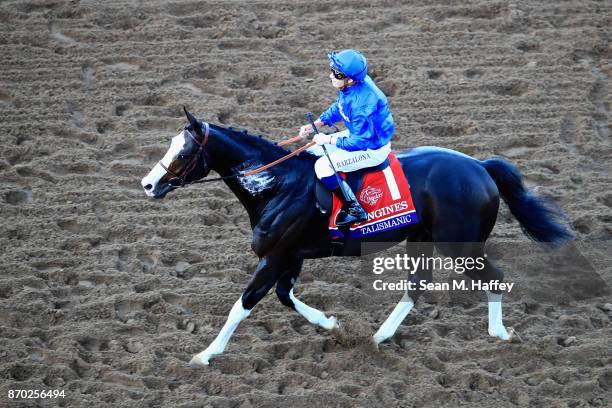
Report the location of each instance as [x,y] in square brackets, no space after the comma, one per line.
[540,219]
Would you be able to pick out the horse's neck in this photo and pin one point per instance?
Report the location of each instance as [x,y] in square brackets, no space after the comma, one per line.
[231,154]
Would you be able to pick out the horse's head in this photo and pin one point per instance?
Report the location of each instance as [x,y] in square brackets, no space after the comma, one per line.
[185,161]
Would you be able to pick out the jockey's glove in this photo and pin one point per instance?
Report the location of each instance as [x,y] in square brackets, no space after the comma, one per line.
[305,130]
[322,138]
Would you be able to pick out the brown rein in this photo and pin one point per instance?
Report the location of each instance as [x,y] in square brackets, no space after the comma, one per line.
[277,161]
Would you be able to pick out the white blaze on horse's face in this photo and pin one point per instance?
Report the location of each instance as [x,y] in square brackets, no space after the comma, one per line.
[150,181]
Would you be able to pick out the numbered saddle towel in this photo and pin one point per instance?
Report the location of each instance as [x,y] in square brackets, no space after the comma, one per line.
[385,195]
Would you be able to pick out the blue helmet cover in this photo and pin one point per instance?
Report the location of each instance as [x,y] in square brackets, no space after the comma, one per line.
[350,62]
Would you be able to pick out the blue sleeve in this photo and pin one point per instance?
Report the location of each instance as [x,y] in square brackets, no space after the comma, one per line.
[357,140]
[331,115]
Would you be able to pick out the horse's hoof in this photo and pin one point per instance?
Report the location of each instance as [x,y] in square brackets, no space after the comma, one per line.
[374,345]
[196,362]
[500,334]
[331,324]
[377,338]
[514,336]
[335,325]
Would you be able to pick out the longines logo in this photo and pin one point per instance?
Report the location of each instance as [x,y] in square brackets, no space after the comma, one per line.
[370,195]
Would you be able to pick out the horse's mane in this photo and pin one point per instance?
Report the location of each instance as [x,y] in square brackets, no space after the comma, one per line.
[255,140]
[269,148]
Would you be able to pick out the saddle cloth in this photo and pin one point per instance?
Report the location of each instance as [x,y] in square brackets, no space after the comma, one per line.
[385,195]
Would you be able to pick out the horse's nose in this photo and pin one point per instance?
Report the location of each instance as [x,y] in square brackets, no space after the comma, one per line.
[148,184]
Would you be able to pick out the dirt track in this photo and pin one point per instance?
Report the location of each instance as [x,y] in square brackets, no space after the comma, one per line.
[106,294]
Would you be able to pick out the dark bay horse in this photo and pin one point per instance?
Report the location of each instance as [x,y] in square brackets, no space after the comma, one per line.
[456,196]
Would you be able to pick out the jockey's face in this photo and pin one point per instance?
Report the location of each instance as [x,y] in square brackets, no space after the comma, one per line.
[337,83]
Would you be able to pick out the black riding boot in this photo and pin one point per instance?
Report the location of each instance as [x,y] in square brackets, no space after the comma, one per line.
[351,212]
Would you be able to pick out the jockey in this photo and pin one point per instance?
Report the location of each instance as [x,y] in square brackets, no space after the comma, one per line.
[369,128]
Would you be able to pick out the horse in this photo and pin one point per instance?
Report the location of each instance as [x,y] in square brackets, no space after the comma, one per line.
[456,197]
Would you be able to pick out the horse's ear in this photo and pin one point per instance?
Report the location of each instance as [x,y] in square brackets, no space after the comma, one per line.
[190,117]
[193,122]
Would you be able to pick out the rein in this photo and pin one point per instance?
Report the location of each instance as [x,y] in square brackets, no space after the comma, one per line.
[193,161]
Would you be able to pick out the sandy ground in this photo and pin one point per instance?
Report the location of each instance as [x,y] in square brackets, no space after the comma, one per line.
[106,294]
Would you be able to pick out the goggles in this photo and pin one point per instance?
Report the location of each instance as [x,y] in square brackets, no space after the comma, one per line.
[337,73]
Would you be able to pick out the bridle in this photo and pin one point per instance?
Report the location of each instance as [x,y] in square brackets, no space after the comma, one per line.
[179,180]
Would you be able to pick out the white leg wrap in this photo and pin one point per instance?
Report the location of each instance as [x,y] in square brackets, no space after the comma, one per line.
[388,328]
[313,315]
[236,315]
[496,325]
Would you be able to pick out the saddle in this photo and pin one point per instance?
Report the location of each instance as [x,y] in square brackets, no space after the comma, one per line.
[382,191]
[354,179]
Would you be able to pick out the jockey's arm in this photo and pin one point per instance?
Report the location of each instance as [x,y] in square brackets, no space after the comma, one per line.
[329,117]
[358,137]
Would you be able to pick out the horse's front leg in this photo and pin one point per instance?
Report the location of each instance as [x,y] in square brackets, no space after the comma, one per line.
[284,291]
[266,275]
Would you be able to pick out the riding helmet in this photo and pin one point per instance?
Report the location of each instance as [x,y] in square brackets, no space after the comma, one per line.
[350,62]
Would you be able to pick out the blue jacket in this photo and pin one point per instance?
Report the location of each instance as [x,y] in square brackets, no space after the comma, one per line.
[365,112]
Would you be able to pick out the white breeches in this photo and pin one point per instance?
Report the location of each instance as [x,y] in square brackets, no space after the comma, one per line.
[346,161]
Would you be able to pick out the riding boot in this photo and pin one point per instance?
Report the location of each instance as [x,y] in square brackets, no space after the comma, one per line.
[351,212]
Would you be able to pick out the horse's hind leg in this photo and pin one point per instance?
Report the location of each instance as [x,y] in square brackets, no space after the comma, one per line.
[463,234]
[489,273]
[402,309]
[494,298]
[284,291]
[265,276]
